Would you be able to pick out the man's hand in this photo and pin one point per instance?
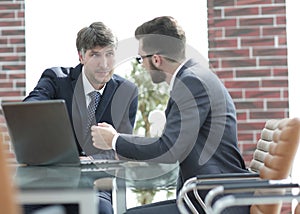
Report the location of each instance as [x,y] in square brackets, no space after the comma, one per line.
[102,136]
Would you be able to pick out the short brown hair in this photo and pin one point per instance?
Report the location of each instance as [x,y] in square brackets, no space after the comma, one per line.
[97,34]
[162,35]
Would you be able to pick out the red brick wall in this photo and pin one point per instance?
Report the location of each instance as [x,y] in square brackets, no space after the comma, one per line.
[12,57]
[248,51]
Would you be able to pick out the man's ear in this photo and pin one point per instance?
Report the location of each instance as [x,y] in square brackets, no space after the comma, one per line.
[156,60]
[80,55]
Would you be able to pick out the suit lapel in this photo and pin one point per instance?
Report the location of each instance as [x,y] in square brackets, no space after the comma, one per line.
[106,98]
[79,110]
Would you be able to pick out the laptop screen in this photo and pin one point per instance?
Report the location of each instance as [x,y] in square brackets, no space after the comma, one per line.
[41,132]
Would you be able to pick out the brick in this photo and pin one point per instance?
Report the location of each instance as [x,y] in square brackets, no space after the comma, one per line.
[21,85]
[6,50]
[14,67]
[215,33]
[253,73]
[223,43]
[223,3]
[256,22]
[280,20]
[224,22]
[258,135]
[17,40]
[286,93]
[250,125]
[273,10]
[262,93]
[10,6]
[20,14]
[278,104]
[229,53]
[236,94]
[3,76]
[280,72]
[21,49]
[10,93]
[13,32]
[238,63]
[275,83]
[3,41]
[273,31]
[266,114]
[273,62]
[222,74]
[257,51]
[6,84]
[12,58]
[7,15]
[20,75]
[10,23]
[241,84]
[249,104]
[214,63]
[244,11]
[253,2]
[214,13]
[282,41]
[247,137]
[245,42]
[241,116]
[242,32]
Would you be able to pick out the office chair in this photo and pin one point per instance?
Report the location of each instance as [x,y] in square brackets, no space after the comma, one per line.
[279,160]
[8,203]
[8,191]
[241,194]
[272,159]
[270,194]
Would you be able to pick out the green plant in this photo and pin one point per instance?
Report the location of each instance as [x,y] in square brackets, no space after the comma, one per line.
[151,96]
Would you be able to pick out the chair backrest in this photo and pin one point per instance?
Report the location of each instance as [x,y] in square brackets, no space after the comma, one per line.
[278,161]
[8,202]
[263,145]
[272,159]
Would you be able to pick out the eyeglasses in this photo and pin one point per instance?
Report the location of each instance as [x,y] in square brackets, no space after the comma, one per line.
[140,58]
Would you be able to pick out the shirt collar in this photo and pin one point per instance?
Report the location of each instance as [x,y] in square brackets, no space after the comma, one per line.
[175,74]
[87,87]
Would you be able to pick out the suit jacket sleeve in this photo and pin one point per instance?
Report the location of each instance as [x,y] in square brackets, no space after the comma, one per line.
[186,111]
[47,85]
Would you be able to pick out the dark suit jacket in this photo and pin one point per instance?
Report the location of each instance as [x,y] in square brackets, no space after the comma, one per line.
[200,131]
[118,105]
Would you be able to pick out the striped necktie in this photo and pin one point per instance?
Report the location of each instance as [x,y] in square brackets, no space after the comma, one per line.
[91,119]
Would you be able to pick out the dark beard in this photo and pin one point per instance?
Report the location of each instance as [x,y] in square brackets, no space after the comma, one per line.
[157,75]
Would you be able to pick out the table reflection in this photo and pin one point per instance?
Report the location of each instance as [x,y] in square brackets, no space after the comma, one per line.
[133,174]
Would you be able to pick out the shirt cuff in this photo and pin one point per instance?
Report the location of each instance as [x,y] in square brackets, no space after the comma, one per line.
[114,141]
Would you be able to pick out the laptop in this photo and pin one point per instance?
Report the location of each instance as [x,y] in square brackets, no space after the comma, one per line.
[41,132]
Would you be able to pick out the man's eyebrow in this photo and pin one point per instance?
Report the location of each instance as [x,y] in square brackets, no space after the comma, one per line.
[103,51]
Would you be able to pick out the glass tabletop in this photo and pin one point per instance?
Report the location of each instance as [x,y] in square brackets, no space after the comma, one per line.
[142,175]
